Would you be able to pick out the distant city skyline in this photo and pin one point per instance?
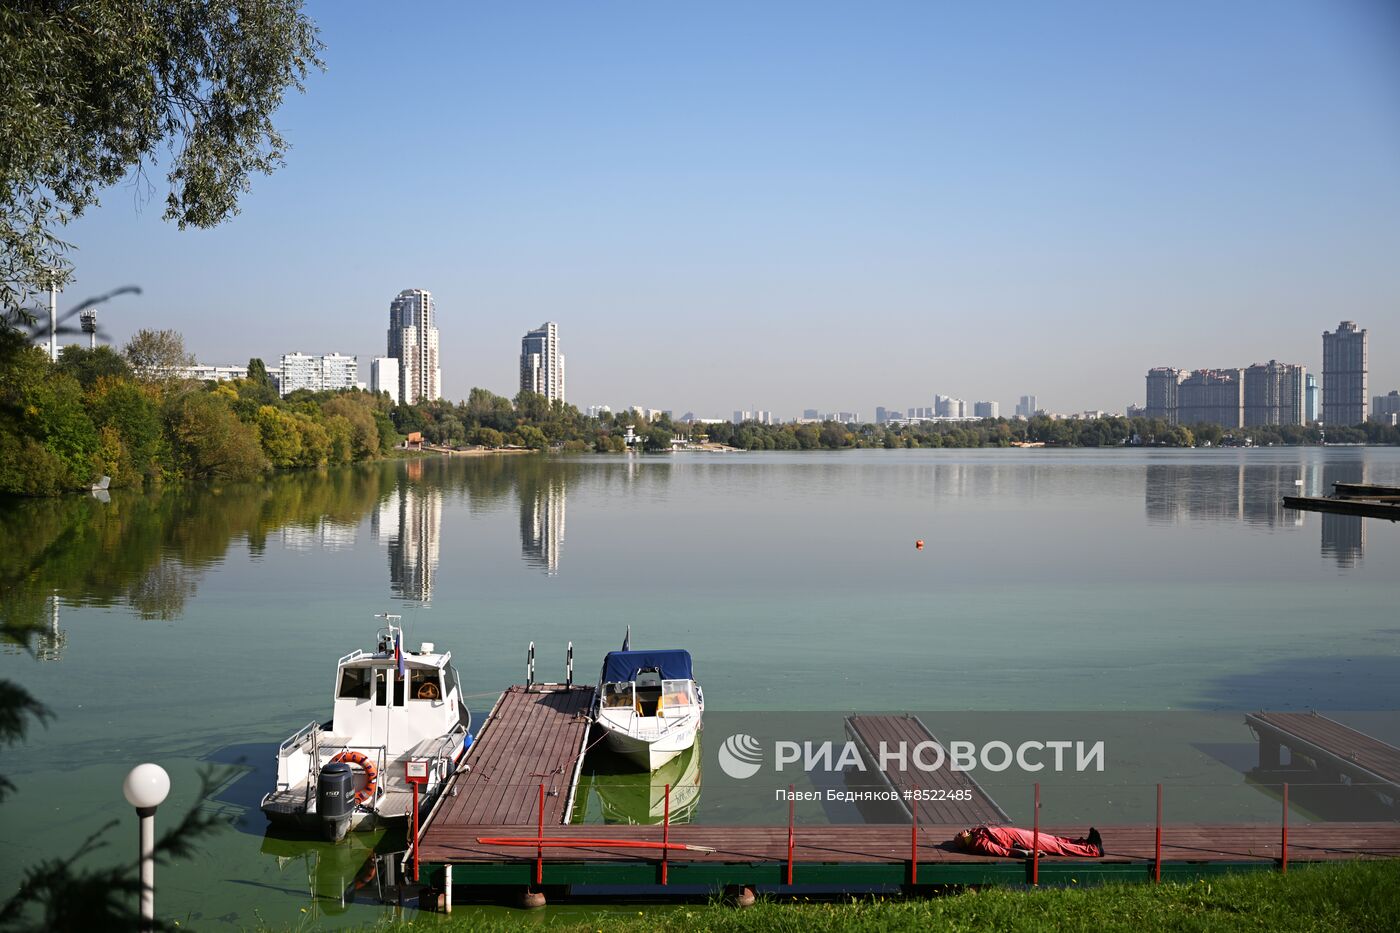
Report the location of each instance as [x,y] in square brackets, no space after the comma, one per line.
[983,202]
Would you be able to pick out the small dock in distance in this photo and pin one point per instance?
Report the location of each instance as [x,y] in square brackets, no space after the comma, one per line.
[1335,750]
[1364,499]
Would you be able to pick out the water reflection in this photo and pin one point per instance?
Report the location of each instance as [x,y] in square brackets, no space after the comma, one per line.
[414,511]
[149,551]
[542,523]
[1253,494]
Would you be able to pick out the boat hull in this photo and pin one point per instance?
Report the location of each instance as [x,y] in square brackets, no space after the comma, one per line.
[647,753]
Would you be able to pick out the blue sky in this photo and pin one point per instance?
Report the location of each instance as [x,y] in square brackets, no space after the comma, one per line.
[791,205]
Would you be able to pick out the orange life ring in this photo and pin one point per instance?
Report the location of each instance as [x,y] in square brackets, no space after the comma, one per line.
[371,772]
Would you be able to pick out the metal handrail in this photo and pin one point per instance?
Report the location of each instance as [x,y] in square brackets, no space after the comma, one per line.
[297,738]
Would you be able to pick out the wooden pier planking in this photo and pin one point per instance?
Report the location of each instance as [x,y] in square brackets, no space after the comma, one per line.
[869,731]
[871,843]
[1329,744]
[532,736]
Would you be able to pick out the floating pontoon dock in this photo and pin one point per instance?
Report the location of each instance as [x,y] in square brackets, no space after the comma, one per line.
[1365,499]
[524,769]
[1333,749]
[940,795]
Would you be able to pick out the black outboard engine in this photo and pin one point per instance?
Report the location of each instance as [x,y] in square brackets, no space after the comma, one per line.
[335,799]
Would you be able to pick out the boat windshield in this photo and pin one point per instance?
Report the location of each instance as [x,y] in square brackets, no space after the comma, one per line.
[354,683]
[676,693]
[618,696]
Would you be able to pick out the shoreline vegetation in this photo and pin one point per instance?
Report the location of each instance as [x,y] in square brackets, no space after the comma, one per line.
[1358,896]
[97,413]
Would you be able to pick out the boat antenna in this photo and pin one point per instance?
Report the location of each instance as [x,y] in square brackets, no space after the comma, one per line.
[391,619]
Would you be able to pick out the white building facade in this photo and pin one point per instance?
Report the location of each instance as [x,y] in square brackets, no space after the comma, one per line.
[329,373]
[413,341]
[384,377]
[541,363]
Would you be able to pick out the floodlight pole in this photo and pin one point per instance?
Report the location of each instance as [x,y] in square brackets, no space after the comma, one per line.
[53,320]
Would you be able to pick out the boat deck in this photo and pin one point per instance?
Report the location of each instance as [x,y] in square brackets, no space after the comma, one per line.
[933,796]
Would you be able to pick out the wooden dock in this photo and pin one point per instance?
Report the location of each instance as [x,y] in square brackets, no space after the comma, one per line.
[1364,499]
[532,736]
[538,735]
[933,796]
[1332,747]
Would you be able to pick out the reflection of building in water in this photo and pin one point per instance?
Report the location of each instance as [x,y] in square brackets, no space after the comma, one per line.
[542,524]
[1343,536]
[327,535]
[1223,492]
[49,645]
[411,519]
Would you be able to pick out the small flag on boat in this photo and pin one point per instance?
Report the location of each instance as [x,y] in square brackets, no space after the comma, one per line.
[398,654]
[627,640]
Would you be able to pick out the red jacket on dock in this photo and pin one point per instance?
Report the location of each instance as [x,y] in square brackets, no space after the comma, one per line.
[1008,842]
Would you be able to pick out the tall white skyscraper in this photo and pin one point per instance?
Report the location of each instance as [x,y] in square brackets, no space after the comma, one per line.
[413,341]
[541,363]
[384,377]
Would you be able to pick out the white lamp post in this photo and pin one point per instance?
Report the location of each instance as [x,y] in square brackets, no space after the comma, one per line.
[145,788]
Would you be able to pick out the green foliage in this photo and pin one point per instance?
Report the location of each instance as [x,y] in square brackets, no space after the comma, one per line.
[207,441]
[47,440]
[155,354]
[88,366]
[487,437]
[96,90]
[280,434]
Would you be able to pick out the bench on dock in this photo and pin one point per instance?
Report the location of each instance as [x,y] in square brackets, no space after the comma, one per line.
[941,795]
[1331,747]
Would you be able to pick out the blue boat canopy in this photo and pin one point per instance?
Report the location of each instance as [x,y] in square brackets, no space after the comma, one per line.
[622,666]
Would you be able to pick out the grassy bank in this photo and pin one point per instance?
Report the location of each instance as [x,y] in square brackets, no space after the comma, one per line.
[1357,896]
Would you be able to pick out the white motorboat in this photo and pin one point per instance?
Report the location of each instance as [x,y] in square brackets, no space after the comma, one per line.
[393,708]
[648,704]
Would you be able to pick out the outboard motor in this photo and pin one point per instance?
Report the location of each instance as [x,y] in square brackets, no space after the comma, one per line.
[335,799]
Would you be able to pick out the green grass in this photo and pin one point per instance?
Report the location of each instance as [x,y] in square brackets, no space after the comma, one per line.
[1358,896]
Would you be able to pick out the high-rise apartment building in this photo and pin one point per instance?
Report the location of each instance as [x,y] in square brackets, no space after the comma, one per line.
[1163,384]
[1385,409]
[329,373]
[541,363]
[986,409]
[1312,399]
[948,407]
[1274,393]
[1213,396]
[384,377]
[1344,375]
[1027,406]
[339,371]
[413,341]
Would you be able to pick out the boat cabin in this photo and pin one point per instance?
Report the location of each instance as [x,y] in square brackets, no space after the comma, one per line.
[378,706]
[647,682]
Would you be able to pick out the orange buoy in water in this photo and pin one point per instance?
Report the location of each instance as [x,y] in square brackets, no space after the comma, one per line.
[919,544]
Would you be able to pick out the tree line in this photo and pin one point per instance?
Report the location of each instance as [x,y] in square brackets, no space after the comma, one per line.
[129,416]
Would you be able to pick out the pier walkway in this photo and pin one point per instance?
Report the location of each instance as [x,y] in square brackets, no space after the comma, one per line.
[1331,747]
[934,796]
[533,735]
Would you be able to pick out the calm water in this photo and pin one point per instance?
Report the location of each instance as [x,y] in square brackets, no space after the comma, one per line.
[199,628]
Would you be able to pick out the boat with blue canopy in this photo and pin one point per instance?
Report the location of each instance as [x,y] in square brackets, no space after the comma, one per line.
[648,704]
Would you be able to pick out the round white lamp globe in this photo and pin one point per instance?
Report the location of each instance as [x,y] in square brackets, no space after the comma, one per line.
[146,786]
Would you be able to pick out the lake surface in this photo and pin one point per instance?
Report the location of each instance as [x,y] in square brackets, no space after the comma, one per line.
[198,628]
